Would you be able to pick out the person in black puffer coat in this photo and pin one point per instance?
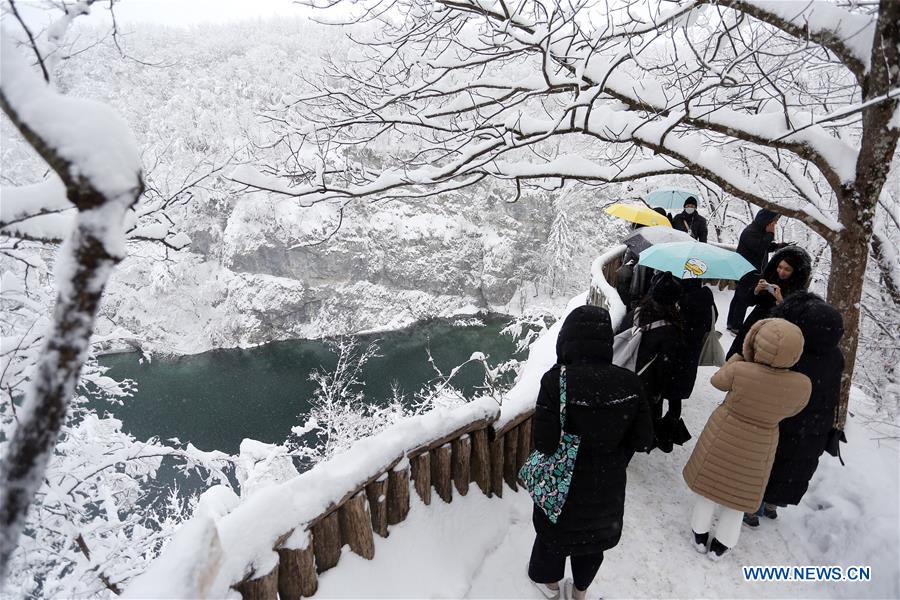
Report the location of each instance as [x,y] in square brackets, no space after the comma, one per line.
[606,406]
[755,243]
[789,270]
[802,438]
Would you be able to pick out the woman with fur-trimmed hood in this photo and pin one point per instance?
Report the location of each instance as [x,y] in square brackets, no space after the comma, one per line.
[787,272]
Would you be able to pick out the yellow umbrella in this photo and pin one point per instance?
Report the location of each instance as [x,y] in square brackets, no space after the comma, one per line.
[637,213]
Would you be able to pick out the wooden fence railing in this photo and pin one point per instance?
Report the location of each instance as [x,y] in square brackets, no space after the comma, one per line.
[468,449]
[476,453]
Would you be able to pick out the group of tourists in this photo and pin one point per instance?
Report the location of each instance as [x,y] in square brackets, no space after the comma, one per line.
[759,447]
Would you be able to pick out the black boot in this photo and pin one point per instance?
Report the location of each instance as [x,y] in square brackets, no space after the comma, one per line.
[701,542]
[680,433]
[662,435]
[770,511]
[716,550]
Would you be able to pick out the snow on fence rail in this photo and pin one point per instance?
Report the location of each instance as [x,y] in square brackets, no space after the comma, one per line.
[278,540]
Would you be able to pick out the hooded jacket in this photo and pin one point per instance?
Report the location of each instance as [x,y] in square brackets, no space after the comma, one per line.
[802,438]
[764,302]
[731,462]
[698,311]
[607,408]
[755,242]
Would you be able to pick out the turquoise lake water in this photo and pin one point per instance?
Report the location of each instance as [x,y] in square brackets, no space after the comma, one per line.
[216,399]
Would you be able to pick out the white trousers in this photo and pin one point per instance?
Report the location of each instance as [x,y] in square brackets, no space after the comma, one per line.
[728,529]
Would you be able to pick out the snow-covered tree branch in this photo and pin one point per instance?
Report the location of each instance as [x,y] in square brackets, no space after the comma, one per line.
[95,157]
[790,106]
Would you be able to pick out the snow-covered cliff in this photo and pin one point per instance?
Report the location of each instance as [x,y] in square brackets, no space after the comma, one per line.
[262,267]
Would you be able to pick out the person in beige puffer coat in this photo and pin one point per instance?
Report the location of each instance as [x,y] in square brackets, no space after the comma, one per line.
[731,462]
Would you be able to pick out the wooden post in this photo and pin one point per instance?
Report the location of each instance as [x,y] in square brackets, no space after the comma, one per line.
[377,493]
[481,460]
[261,588]
[510,458]
[327,542]
[297,573]
[398,495]
[440,472]
[461,452]
[524,442]
[497,466]
[421,474]
[356,526]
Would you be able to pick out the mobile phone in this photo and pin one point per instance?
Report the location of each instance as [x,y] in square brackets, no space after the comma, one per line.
[770,288]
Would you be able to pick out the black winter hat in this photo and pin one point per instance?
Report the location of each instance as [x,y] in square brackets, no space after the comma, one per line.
[765,216]
[665,289]
[690,201]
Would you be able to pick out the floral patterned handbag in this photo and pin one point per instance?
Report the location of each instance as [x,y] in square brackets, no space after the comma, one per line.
[547,477]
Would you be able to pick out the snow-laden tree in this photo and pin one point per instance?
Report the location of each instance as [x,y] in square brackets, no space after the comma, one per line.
[789,105]
[85,508]
[560,246]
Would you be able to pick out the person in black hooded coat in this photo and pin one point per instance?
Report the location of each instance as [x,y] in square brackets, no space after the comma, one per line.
[606,406]
[663,360]
[698,311]
[756,242]
[802,438]
[789,269]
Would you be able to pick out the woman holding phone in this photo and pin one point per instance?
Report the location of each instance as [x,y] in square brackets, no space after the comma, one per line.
[788,271]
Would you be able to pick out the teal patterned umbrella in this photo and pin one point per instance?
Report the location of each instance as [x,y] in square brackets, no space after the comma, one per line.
[689,260]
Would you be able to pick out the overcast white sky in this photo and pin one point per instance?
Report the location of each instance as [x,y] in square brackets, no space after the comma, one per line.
[176,12]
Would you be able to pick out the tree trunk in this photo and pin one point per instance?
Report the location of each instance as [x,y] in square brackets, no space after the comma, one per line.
[856,207]
[849,253]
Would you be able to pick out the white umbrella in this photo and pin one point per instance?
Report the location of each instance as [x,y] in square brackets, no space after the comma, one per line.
[645,237]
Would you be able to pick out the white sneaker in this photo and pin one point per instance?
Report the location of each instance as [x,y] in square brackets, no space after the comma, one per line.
[569,590]
[546,590]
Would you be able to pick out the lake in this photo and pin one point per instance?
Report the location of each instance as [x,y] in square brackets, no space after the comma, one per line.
[216,399]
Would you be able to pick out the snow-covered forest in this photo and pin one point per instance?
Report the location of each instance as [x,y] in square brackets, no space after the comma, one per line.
[366,166]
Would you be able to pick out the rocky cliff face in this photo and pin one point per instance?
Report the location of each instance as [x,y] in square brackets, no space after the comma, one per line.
[265,269]
[463,247]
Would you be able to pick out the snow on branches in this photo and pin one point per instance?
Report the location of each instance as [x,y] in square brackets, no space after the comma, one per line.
[786,105]
[95,156]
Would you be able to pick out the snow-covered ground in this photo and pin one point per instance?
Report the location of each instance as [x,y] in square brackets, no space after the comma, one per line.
[477,547]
